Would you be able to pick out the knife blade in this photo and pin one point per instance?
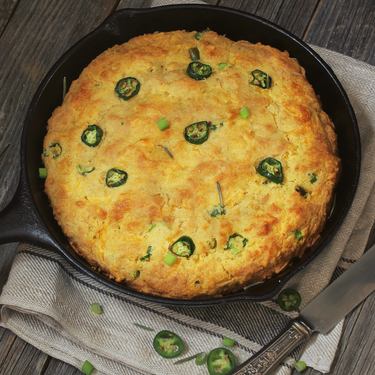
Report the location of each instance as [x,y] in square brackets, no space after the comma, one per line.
[320,315]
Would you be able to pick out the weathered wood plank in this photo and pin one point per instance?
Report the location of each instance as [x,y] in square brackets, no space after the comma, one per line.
[23,36]
[56,367]
[292,15]
[7,7]
[19,358]
[345,26]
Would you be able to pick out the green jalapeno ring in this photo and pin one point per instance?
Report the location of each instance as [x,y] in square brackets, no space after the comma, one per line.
[116,177]
[127,87]
[261,79]
[220,361]
[92,135]
[183,247]
[272,169]
[56,150]
[198,70]
[168,344]
[236,243]
[197,133]
[289,299]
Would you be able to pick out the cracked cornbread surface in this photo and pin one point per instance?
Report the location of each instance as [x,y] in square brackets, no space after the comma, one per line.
[123,201]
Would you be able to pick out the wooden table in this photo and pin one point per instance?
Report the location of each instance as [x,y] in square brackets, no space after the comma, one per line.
[34,34]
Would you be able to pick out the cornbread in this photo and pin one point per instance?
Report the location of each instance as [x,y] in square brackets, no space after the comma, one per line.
[213,153]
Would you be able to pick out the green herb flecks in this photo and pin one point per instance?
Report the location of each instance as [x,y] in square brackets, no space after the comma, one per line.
[313,177]
[298,234]
[218,210]
[168,152]
[143,327]
[200,34]
[224,65]
[302,191]
[152,227]
[148,254]
[185,359]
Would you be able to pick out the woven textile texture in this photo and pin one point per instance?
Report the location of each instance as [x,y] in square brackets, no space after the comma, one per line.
[47,302]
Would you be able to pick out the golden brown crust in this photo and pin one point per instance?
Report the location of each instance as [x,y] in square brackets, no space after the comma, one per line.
[164,198]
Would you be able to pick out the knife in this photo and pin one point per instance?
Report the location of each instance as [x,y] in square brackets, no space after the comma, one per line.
[320,315]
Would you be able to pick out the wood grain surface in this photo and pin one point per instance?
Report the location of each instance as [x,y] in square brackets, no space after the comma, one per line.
[34,34]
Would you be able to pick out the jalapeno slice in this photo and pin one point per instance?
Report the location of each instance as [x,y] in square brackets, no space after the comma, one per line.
[127,87]
[92,135]
[183,247]
[168,344]
[197,133]
[116,177]
[289,299]
[220,361]
[56,150]
[198,71]
[272,169]
[236,243]
[194,53]
[261,79]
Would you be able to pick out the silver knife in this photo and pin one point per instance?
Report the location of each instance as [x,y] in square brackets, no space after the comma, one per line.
[320,315]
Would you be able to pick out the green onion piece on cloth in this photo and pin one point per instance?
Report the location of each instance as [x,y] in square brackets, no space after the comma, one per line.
[87,368]
[96,308]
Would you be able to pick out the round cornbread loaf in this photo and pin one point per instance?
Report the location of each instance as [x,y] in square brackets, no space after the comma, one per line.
[259,225]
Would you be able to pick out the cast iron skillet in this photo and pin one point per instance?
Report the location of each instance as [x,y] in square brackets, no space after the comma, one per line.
[28,218]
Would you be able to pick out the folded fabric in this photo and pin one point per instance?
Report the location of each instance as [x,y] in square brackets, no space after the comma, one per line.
[47,302]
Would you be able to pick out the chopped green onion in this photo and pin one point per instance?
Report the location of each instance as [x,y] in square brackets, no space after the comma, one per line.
[300,366]
[201,358]
[143,327]
[224,65]
[220,195]
[1,153]
[168,152]
[170,259]
[313,177]
[163,124]
[244,112]
[151,228]
[42,172]
[185,359]
[228,342]
[96,308]
[298,234]
[87,368]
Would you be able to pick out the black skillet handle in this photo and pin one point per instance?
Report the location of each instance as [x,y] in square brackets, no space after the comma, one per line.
[19,220]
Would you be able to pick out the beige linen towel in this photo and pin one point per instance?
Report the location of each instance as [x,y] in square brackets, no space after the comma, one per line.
[47,302]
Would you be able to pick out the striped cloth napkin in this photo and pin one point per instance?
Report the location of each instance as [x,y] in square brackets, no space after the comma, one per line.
[47,302]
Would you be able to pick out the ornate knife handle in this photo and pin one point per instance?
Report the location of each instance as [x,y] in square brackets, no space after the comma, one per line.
[267,359]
